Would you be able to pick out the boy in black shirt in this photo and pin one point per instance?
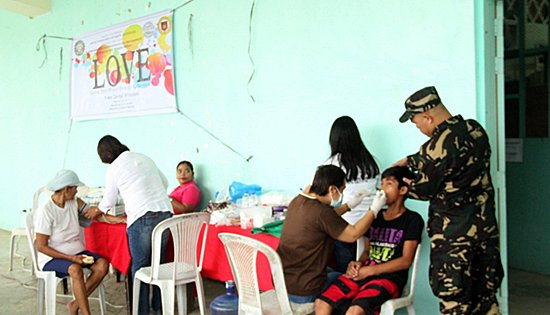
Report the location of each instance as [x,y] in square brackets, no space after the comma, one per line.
[382,270]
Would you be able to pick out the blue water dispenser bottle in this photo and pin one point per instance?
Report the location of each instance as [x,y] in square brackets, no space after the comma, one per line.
[228,303]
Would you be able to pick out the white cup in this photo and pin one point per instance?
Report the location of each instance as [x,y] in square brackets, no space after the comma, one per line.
[258,220]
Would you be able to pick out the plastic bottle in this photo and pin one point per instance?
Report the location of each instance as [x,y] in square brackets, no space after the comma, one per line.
[227,304]
[252,200]
[245,201]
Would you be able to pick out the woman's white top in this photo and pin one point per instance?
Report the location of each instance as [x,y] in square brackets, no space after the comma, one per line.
[139,182]
[353,188]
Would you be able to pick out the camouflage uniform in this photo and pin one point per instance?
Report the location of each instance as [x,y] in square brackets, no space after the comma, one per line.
[453,173]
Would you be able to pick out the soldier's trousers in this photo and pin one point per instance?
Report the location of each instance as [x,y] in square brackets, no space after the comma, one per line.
[465,275]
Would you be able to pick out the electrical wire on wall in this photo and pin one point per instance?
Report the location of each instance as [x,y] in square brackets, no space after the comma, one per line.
[249,49]
[246,159]
[183,4]
[190,36]
[67,143]
[42,41]
[60,61]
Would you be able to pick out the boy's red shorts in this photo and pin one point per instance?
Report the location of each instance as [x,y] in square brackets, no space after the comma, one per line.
[369,293]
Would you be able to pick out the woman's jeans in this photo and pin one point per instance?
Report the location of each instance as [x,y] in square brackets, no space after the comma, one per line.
[139,242]
[298,299]
[343,254]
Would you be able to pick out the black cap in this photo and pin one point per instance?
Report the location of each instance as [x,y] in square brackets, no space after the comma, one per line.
[421,101]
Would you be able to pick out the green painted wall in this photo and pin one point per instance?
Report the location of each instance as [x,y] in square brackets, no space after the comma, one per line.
[315,60]
[528,195]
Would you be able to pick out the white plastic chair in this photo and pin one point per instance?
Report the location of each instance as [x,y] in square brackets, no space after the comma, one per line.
[17,232]
[242,253]
[47,280]
[186,231]
[406,299]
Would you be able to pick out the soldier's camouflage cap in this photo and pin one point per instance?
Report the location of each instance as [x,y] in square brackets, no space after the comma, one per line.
[421,101]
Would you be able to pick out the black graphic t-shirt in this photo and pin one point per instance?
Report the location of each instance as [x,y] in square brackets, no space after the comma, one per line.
[387,239]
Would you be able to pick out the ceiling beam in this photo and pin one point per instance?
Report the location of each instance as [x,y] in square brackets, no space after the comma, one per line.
[30,8]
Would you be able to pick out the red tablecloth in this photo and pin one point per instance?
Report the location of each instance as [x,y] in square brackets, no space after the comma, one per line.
[109,241]
[216,266]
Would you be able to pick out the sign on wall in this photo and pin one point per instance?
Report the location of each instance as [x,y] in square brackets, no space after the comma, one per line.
[514,150]
[124,70]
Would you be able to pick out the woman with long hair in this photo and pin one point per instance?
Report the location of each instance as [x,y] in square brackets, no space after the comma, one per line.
[348,152]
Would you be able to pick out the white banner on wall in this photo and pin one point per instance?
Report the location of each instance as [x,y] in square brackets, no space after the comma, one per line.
[124,70]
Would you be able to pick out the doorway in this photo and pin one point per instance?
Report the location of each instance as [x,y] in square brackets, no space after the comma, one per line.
[526,72]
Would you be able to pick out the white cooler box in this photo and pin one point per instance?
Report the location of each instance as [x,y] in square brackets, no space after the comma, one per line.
[93,195]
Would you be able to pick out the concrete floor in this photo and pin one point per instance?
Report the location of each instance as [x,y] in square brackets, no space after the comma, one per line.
[529,293]
[18,287]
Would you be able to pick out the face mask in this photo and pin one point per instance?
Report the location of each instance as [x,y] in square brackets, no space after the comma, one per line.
[337,203]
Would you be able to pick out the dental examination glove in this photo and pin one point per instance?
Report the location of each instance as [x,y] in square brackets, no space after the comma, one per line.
[378,202]
[357,199]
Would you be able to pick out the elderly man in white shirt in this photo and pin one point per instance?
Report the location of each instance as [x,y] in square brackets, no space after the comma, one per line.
[59,242]
[142,186]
